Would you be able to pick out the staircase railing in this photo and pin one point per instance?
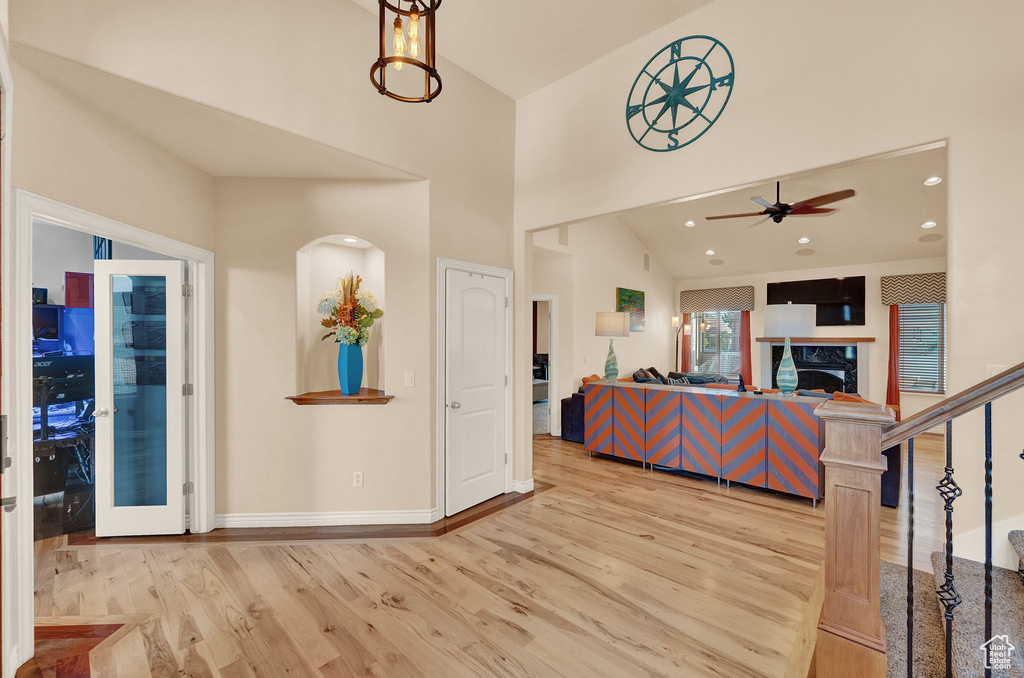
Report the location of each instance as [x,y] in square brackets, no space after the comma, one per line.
[851,635]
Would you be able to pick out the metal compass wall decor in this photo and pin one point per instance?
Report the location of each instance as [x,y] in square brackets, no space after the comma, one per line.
[680,93]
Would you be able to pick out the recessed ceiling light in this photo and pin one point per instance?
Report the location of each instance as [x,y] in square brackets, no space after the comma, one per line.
[931,237]
[931,181]
[690,224]
[804,252]
[929,224]
[804,241]
[716,262]
[709,252]
[351,239]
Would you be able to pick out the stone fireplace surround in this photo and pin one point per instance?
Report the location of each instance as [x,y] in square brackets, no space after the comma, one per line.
[832,363]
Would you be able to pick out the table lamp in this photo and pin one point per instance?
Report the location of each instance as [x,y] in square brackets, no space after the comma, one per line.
[612,325]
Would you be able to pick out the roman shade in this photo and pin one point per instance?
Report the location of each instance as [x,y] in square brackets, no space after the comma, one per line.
[918,288]
[718,299]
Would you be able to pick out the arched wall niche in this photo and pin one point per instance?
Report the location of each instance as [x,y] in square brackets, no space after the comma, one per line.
[318,266]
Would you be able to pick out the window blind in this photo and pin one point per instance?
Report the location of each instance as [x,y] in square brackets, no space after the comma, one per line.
[923,348]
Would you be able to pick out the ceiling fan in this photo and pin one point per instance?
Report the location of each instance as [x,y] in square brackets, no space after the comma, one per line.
[781,210]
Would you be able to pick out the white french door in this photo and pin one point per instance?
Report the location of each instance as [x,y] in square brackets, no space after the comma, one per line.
[140,418]
[476,389]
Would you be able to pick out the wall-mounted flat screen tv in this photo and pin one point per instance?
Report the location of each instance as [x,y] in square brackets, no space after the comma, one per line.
[839,301]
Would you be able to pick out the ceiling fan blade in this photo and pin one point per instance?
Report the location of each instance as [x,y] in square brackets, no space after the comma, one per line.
[760,222]
[734,216]
[811,210]
[825,199]
[763,203]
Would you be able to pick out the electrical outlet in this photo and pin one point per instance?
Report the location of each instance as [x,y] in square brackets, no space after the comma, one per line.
[410,379]
[357,479]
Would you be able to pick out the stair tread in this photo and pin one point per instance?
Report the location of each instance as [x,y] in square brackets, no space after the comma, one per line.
[969,619]
[929,640]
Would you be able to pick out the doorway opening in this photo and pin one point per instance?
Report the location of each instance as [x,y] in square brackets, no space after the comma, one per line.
[64,414]
[544,370]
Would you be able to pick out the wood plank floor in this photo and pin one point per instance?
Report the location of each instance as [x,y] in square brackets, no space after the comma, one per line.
[612,572]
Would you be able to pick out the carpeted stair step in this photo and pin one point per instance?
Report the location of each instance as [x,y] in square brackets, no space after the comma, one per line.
[929,636]
[969,616]
[1017,540]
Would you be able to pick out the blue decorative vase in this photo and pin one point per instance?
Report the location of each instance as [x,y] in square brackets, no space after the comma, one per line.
[786,377]
[350,368]
[611,365]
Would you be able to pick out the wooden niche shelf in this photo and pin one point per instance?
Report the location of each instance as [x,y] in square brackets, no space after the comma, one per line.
[366,396]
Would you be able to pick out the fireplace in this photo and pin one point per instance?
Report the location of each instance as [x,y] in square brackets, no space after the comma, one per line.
[831,368]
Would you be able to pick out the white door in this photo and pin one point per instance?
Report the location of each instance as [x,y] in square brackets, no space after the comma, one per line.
[140,420]
[476,390]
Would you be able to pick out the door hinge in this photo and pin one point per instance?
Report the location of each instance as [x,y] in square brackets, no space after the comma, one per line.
[188,488]
[186,290]
[187,389]
[5,461]
[506,302]
[9,503]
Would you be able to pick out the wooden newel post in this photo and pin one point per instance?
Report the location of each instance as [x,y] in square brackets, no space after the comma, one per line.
[851,635]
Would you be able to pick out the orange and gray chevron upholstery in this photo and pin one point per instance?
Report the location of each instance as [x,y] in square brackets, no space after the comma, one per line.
[597,418]
[663,427]
[701,448]
[794,435]
[628,430]
[744,429]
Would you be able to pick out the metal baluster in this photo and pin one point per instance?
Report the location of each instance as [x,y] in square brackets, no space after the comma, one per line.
[948,594]
[910,558]
[988,529]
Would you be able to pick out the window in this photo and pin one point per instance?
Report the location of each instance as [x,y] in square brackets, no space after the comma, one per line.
[715,342]
[923,348]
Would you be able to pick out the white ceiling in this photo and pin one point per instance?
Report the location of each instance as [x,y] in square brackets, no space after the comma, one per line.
[519,46]
[881,223]
[219,143]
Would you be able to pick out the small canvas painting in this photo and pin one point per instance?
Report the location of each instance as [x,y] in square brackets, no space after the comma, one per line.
[632,302]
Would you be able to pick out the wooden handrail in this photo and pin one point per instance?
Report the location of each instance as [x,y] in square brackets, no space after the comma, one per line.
[952,407]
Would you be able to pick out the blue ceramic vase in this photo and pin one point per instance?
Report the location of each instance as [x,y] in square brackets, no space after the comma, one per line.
[350,368]
[786,377]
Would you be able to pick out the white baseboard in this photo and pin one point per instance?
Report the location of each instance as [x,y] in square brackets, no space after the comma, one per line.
[971,544]
[523,486]
[326,518]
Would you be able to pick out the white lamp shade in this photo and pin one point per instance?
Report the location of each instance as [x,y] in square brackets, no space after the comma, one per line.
[790,320]
[612,325]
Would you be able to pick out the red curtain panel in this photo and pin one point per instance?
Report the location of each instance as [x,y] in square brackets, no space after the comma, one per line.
[745,369]
[892,389]
[684,341]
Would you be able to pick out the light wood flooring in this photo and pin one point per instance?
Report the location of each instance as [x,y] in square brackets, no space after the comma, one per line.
[612,572]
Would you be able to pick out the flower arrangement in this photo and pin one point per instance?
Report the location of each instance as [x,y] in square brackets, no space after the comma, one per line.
[349,311]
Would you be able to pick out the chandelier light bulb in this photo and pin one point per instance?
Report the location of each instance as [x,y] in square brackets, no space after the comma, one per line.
[399,43]
[414,33]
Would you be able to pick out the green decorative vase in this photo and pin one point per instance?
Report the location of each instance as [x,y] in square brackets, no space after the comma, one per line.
[786,377]
[611,365]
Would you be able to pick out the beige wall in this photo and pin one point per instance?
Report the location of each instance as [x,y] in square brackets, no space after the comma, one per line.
[68,152]
[876,317]
[272,455]
[543,326]
[604,254]
[859,79]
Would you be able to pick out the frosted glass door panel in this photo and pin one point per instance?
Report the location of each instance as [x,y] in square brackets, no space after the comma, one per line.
[139,335]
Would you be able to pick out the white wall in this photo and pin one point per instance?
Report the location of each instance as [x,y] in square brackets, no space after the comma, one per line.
[876,316]
[605,255]
[575,159]
[57,250]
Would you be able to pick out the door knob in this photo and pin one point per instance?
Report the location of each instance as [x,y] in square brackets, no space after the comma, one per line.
[456,405]
[102,412]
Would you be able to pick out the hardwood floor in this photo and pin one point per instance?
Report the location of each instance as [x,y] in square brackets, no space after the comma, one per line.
[613,571]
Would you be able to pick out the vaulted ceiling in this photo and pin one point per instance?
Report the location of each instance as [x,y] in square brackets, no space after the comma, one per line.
[521,46]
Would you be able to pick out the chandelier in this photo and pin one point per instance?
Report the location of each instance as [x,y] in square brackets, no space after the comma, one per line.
[415,48]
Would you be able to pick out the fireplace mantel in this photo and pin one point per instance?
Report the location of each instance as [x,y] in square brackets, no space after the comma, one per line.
[817,340]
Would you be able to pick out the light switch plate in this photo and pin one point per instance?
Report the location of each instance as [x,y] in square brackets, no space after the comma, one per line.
[410,379]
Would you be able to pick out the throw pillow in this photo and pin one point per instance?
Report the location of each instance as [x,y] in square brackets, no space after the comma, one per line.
[626,379]
[723,387]
[592,378]
[855,398]
[677,382]
[646,381]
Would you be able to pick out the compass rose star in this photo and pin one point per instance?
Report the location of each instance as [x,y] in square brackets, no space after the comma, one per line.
[676,93]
